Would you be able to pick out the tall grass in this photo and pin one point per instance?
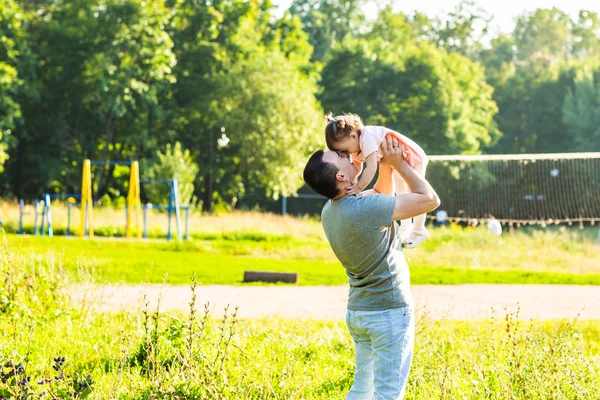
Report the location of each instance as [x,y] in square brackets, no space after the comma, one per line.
[69,351]
[452,254]
[110,221]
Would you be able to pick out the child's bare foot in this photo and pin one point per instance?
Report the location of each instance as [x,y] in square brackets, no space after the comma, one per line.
[415,238]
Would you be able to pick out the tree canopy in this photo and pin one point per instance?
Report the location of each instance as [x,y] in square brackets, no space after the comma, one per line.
[242,88]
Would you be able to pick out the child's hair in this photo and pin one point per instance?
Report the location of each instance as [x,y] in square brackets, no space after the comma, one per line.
[340,127]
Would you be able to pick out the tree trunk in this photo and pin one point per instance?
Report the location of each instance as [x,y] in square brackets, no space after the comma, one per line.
[103,177]
[17,182]
[207,206]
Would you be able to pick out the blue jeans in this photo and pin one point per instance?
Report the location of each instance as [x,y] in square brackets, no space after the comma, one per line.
[384,342]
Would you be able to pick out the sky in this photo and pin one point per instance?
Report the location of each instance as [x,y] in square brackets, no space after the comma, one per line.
[504,11]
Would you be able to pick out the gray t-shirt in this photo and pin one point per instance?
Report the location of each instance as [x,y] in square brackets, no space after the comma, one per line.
[367,242]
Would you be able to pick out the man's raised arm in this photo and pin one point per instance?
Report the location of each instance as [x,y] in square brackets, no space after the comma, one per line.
[422,198]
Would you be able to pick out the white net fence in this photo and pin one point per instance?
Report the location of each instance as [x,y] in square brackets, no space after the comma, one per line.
[521,189]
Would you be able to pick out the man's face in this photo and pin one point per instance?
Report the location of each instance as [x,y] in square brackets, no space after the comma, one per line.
[343,163]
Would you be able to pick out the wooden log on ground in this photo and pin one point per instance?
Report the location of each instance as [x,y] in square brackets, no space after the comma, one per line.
[264,276]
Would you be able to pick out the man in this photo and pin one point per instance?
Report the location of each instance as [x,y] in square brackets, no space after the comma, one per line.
[364,237]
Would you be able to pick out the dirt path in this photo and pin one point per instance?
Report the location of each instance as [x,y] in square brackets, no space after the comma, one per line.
[329,302]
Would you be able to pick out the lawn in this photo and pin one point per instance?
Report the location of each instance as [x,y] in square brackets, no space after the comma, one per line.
[154,355]
[219,254]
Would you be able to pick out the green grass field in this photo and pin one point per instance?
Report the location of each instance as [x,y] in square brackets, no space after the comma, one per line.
[220,254]
[155,355]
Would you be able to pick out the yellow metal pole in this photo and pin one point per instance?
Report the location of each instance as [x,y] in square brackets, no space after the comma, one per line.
[82,205]
[138,202]
[134,203]
[86,200]
[130,196]
[90,205]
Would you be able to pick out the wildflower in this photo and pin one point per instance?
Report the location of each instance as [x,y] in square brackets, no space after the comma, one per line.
[25,382]
[19,369]
[58,363]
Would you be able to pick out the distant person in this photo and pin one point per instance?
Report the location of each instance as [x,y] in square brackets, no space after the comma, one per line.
[441,217]
[346,134]
[366,240]
[495,226]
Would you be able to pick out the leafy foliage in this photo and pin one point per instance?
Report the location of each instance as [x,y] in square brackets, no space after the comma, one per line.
[174,163]
[15,72]
[120,79]
[439,99]
[582,111]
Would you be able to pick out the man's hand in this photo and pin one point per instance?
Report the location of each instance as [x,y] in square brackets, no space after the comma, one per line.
[392,151]
[353,190]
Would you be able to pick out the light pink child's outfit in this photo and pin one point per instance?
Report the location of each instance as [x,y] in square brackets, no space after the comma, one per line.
[372,137]
[370,140]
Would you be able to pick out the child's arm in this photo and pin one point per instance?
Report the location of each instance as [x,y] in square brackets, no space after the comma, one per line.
[369,171]
[367,175]
[359,165]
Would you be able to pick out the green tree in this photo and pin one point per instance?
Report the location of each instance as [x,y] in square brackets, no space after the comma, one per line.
[286,34]
[499,57]
[273,120]
[394,32]
[543,33]
[463,29]
[205,39]
[471,125]
[581,111]
[586,35]
[174,163]
[440,100]
[126,77]
[15,73]
[239,69]
[103,66]
[532,71]
[530,98]
[328,23]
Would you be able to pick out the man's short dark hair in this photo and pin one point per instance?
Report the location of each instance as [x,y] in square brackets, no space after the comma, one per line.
[320,175]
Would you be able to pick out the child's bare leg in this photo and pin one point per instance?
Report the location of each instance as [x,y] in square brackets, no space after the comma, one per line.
[419,232]
[419,222]
[386,176]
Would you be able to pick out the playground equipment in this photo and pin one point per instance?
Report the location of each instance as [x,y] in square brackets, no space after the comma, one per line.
[46,214]
[42,210]
[187,209]
[86,221]
[172,207]
[23,213]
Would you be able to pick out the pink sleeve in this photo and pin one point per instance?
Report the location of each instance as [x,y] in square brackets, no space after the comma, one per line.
[368,144]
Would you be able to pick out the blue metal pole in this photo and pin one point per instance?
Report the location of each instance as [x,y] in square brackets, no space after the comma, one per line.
[35,218]
[43,216]
[69,218]
[170,212]
[187,223]
[283,205]
[21,206]
[175,191]
[49,216]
